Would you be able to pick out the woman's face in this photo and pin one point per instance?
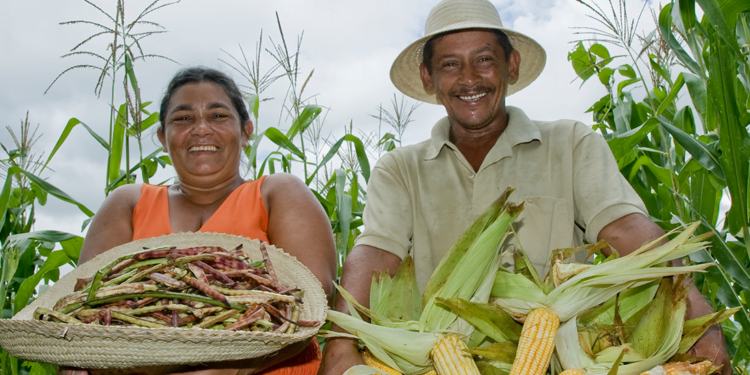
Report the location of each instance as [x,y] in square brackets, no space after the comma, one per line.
[202,133]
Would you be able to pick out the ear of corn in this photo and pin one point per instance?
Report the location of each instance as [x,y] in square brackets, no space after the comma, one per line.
[536,343]
[375,363]
[467,238]
[572,372]
[463,281]
[450,357]
[403,299]
[681,368]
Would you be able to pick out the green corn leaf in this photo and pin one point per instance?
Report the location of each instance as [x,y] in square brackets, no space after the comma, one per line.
[683,15]
[700,151]
[68,128]
[28,286]
[676,87]
[714,16]
[661,173]
[732,134]
[118,141]
[130,72]
[647,336]
[49,188]
[254,102]
[139,165]
[625,142]
[488,319]
[697,89]
[343,211]
[282,141]
[149,121]
[665,26]
[303,121]
[364,163]
[4,198]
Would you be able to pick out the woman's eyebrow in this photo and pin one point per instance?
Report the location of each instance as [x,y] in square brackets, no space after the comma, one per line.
[218,105]
[182,107]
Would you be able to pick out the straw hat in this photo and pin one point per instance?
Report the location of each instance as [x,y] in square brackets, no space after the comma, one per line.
[451,15]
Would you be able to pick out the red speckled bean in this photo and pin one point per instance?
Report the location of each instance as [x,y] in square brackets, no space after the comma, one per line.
[205,288]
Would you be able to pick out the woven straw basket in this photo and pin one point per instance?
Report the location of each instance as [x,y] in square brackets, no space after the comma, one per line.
[99,347]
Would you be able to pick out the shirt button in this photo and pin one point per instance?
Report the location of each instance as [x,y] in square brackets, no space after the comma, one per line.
[472,175]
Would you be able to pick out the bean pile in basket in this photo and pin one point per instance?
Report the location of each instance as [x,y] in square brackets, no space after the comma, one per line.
[197,287]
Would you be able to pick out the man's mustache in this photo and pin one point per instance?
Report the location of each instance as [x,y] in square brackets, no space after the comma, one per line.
[463,91]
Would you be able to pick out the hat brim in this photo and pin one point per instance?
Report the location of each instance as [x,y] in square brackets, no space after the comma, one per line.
[405,69]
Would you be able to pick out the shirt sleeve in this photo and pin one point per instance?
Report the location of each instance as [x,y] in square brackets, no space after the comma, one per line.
[601,192]
[387,216]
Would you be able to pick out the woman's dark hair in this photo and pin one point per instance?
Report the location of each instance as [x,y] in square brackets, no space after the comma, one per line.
[200,74]
[428,50]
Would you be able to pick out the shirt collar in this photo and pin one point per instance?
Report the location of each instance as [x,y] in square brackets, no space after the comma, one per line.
[520,130]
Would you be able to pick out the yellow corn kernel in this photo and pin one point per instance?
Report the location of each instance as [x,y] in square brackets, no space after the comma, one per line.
[572,372]
[450,357]
[536,343]
[377,364]
[683,368]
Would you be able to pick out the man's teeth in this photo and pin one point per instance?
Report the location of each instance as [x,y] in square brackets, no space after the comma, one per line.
[473,97]
[203,148]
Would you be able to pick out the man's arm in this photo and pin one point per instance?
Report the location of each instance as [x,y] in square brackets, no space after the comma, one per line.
[341,354]
[629,233]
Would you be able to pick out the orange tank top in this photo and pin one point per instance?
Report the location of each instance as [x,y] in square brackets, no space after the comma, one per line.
[243,213]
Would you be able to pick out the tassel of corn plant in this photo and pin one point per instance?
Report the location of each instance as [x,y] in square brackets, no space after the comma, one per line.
[536,343]
[450,357]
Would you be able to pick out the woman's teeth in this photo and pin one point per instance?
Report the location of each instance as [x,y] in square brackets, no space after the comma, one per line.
[202,148]
[473,97]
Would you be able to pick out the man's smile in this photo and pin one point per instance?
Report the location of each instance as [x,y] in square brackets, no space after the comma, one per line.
[472,98]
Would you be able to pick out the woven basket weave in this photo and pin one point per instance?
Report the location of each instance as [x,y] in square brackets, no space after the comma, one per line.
[99,347]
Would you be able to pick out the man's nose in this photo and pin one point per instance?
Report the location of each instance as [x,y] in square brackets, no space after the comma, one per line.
[469,75]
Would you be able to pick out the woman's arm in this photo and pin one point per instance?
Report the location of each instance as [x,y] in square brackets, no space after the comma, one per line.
[113,223]
[298,224]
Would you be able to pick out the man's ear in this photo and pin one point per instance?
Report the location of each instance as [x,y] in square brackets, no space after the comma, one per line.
[426,79]
[514,65]
[246,131]
[162,139]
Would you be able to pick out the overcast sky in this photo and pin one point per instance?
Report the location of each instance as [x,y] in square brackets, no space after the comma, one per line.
[349,44]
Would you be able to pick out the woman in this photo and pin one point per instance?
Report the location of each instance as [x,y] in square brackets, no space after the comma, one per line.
[204,127]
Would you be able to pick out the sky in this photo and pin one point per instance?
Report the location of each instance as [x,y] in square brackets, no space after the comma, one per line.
[348,45]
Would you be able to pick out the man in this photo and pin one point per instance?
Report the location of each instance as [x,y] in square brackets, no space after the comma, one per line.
[422,197]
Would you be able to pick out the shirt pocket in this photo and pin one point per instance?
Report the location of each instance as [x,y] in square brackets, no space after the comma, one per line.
[544,225]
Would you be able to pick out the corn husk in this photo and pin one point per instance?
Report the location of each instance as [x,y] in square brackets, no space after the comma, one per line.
[395,342]
[396,298]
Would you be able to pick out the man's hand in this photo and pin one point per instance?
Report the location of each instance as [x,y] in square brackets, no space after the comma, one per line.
[712,346]
[339,355]
[629,233]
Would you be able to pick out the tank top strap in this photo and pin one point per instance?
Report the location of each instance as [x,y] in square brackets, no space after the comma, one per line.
[243,213]
[151,213]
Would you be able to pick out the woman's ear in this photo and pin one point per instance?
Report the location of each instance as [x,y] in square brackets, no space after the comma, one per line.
[246,131]
[162,139]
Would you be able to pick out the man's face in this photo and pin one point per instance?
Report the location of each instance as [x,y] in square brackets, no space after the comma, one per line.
[470,75]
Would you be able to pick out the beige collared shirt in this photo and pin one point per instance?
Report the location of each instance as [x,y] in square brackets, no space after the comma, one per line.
[420,198]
